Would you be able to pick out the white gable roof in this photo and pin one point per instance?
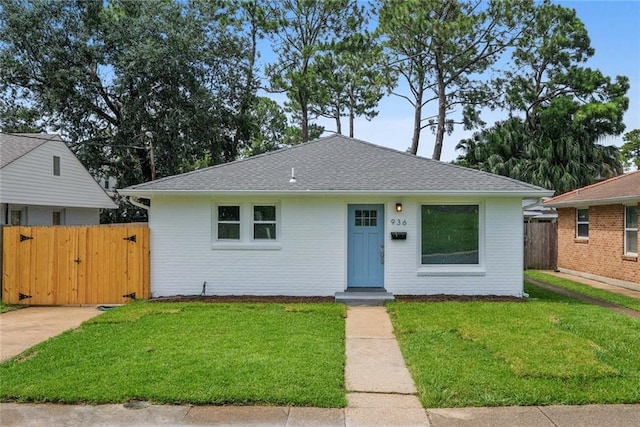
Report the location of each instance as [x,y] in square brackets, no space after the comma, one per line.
[26,174]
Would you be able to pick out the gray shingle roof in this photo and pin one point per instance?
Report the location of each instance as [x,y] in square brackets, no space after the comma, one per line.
[336,164]
[15,145]
[621,188]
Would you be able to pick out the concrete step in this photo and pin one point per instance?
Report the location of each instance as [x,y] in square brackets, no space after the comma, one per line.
[364,298]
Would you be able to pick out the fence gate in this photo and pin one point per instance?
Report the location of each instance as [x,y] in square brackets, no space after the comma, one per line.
[540,245]
[75,265]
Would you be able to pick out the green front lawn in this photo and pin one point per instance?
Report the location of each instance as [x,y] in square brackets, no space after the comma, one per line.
[623,300]
[549,350]
[271,354]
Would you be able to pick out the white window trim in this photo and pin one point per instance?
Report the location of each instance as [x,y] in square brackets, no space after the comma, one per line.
[578,222]
[454,269]
[216,221]
[626,229]
[254,221]
[246,241]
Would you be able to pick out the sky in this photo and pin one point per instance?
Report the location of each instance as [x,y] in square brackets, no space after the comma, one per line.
[614,29]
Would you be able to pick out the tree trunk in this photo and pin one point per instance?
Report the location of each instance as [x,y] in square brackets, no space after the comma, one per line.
[338,122]
[351,117]
[304,113]
[442,116]
[417,120]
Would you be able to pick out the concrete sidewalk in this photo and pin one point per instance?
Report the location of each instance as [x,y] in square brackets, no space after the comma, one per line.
[15,414]
[380,392]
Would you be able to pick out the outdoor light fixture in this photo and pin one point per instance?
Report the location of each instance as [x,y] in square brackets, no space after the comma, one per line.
[398,207]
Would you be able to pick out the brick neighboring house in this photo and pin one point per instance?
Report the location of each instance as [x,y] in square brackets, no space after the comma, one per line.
[598,230]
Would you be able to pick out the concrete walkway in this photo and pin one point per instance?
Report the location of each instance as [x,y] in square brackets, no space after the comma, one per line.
[595,284]
[24,328]
[380,390]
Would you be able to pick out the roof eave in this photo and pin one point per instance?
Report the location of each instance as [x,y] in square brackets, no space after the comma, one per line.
[594,202]
[460,193]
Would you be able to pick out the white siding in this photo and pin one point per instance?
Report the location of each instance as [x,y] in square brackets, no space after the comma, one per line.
[310,257]
[29,180]
[43,215]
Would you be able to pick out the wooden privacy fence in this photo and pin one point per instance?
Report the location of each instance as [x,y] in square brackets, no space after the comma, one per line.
[540,245]
[75,265]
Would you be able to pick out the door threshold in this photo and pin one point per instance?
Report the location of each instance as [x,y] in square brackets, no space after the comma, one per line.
[358,289]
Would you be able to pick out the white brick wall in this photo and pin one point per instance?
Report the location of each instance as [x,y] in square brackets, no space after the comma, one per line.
[311,258]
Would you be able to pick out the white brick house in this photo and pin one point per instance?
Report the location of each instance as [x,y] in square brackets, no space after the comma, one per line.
[336,214]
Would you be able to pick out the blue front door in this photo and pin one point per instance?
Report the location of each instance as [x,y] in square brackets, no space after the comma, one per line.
[365,263]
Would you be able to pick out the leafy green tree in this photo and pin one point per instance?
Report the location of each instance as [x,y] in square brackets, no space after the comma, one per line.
[353,75]
[303,31]
[630,150]
[119,77]
[548,64]
[559,110]
[20,119]
[552,157]
[442,49]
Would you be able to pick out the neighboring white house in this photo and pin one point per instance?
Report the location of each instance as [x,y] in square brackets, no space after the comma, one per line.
[333,215]
[43,183]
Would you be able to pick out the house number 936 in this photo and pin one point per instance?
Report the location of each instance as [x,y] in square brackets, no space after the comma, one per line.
[398,221]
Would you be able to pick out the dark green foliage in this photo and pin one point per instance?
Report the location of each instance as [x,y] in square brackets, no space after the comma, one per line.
[630,150]
[560,110]
[118,77]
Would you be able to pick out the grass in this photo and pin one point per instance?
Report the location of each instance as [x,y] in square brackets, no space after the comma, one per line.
[625,301]
[9,307]
[242,354]
[550,350]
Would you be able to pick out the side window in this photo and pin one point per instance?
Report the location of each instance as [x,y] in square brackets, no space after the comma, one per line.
[228,222]
[582,223]
[264,222]
[56,165]
[631,230]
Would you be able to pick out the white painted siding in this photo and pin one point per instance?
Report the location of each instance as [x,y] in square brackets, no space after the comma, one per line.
[311,260]
[311,254]
[29,180]
[43,215]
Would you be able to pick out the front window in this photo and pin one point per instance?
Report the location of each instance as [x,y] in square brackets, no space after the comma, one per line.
[228,222]
[450,234]
[264,222]
[582,223]
[631,230]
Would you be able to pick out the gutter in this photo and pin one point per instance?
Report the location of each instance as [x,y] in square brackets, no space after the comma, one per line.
[136,202]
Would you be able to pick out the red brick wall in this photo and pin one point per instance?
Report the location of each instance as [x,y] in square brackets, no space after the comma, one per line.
[603,253]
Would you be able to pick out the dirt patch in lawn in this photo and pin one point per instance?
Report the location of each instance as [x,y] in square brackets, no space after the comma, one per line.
[281,299]
[458,298]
